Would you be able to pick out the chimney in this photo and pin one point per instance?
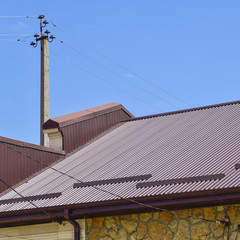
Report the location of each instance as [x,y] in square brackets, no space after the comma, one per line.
[54,138]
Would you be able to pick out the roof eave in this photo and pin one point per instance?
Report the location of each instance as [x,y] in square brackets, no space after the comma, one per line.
[120,207]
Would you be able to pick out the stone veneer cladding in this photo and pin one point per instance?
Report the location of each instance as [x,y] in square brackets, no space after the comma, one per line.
[165,225]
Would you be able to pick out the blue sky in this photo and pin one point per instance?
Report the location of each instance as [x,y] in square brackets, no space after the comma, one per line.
[189,48]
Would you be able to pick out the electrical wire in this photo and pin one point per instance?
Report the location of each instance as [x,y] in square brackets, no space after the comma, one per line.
[102,79]
[14,34]
[26,199]
[123,67]
[23,39]
[18,40]
[117,74]
[18,17]
[12,40]
[108,192]
[106,81]
[8,40]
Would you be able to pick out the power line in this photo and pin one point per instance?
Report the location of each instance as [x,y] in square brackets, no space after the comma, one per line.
[106,81]
[99,77]
[18,16]
[108,192]
[26,199]
[123,67]
[117,74]
[23,39]
[15,40]
[14,34]
[8,40]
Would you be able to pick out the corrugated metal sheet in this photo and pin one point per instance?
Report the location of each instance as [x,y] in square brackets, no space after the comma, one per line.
[75,135]
[15,167]
[181,145]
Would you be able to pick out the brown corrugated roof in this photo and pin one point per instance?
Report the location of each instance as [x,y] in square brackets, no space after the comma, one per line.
[15,167]
[190,144]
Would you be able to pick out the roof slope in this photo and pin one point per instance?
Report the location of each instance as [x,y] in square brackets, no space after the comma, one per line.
[201,145]
[15,167]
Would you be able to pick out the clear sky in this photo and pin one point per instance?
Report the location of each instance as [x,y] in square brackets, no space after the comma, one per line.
[190,49]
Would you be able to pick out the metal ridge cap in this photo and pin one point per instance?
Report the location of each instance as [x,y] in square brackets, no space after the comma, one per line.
[30,145]
[88,117]
[88,111]
[184,110]
[91,115]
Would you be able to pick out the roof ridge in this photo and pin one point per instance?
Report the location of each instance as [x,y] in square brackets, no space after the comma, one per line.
[184,110]
[96,109]
[83,115]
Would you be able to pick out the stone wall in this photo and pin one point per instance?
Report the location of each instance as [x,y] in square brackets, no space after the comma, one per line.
[165,225]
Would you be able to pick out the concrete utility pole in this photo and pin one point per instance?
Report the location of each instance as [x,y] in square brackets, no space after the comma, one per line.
[44,39]
[44,87]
